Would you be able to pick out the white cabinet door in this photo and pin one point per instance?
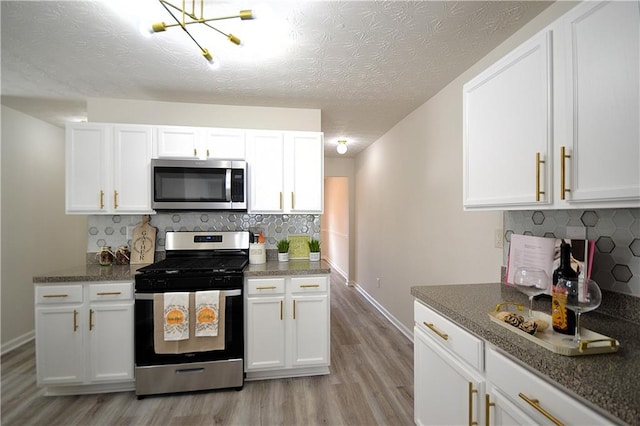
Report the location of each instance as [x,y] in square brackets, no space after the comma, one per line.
[265,342]
[132,169]
[502,412]
[304,182]
[507,121]
[111,342]
[601,42]
[310,330]
[178,141]
[87,167]
[446,391]
[265,168]
[59,344]
[224,144]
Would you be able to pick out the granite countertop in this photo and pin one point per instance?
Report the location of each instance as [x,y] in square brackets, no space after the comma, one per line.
[607,382]
[95,272]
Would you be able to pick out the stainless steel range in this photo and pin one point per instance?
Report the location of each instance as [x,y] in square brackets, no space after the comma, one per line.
[196,263]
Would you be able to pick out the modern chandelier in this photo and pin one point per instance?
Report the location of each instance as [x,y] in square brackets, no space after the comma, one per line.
[184,17]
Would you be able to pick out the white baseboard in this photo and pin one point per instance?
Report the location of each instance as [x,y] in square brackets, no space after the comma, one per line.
[335,268]
[393,320]
[17,342]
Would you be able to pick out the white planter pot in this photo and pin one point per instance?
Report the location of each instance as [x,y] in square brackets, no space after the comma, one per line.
[314,256]
[283,257]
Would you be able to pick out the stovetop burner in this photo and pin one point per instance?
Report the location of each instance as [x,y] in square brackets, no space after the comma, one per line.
[204,264]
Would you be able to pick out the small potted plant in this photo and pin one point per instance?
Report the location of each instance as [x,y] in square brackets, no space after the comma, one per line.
[283,250]
[314,250]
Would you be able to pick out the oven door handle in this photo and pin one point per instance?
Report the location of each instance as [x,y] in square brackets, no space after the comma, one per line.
[149,296]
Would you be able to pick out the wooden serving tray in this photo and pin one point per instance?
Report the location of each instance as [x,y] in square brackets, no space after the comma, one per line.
[591,342]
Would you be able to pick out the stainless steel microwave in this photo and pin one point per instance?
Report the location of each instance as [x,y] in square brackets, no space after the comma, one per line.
[198,185]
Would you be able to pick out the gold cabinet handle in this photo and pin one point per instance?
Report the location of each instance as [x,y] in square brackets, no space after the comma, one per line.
[115,199]
[294,309]
[471,392]
[292,203]
[266,287]
[433,328]
[101,199]
[536,404]
[538,162]
[207,153]
[280,200]
[195,152]
[90,319]
[563,173]
[487,408]
[75,320]
[109,293]
[309,285]
[55,295]
[281,310]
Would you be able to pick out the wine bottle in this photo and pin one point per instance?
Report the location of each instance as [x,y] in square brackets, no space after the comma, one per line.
[563,319]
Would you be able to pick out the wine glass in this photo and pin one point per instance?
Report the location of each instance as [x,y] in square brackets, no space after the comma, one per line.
[532,282]
[580,296]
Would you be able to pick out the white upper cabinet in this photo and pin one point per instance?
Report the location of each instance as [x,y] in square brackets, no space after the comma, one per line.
[286,172]
[507,126]
[600,45]
[108,168]
[572,89]
[200,143]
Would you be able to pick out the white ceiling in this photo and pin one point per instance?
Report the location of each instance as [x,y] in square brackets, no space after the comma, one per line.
[364,64]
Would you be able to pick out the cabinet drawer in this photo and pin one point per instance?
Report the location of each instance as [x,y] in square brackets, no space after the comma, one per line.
[111,291]
[311,284]
[52,294]
[451,336]
[517,383]
[259,286]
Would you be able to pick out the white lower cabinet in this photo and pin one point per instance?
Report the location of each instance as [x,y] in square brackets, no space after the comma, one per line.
[84,337]
[461,379]
[448,390]
[287,326]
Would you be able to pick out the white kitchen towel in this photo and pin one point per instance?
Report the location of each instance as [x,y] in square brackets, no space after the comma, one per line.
[207,310]
[176,316]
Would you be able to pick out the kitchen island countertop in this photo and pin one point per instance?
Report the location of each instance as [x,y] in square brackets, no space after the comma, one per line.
[95,272]
[607,382]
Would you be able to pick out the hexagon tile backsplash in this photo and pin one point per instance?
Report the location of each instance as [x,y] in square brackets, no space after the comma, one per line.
[112,230]
[616,263]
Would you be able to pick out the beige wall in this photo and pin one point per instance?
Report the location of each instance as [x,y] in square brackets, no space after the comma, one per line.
[334,224]
[37,236]
[410,225]
[189,114]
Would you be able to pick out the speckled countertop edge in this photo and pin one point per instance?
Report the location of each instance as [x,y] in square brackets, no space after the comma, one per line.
[95,272]
[606,382]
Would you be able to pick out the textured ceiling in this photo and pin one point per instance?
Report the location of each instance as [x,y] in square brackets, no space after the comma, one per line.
[364,64]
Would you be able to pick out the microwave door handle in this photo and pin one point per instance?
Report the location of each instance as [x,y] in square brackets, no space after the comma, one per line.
[228,185]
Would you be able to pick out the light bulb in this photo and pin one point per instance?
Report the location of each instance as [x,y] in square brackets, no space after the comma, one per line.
[342,147]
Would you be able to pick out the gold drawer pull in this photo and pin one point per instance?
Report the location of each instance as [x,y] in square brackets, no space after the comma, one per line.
[294,309]
[75,320]
[538,162]
[433,328]
[471,392]
[55,295]
[266,287]
[487,409]
[563,173]
[91,319]
[281,201]
[293,206]
[115,199]
[281,310]
[109,293]
[101,199]
[309,285]
[536,404]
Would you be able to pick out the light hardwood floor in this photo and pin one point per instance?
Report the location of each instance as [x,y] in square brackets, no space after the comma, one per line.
[371,383]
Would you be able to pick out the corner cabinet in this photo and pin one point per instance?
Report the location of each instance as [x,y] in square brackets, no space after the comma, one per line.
[287,326]
[286,172]
[556,122]
[108,168]
[84,337]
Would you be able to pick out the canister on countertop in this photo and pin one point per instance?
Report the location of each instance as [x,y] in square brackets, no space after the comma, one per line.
[122,255]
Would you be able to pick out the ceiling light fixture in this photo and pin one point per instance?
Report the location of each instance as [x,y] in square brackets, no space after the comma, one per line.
[185,17]
[342,146]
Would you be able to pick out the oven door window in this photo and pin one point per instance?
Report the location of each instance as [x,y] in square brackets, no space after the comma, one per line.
[145,354]
[190,184]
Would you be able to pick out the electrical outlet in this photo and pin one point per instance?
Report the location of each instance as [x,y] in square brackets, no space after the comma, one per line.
[576,232]
[498,241]
[378,282]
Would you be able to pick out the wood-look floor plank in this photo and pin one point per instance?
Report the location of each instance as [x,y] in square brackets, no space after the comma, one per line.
[371,382]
